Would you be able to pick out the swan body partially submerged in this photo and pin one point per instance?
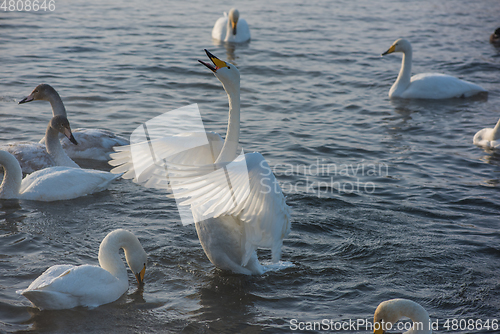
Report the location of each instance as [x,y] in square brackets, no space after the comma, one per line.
[427,85]
[94,144]
[390,311]
[488,137]
[68,286]
[231,28]
[51,183]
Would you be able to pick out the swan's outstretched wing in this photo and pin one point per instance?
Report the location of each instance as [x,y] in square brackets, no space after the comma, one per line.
[145,161]
[246,189]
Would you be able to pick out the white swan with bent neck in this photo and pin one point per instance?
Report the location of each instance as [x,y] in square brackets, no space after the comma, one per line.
[68,286]
[390,311]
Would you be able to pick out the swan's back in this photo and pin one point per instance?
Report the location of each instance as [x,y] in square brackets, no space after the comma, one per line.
[440,86]
[62,183]
[67,286]
[31,156]
[220,28]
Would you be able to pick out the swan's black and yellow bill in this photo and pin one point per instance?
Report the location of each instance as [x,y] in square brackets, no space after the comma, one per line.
[378,331]
[140,275]
[233,26]
[217,62]
[27,99]
[391,50]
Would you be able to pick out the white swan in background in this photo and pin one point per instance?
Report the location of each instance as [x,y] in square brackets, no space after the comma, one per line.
[488,137]
[395,309]
[426,85]
[253,214]
[95,144]
[230,28]
[68,286]
[35,156]
[51,183]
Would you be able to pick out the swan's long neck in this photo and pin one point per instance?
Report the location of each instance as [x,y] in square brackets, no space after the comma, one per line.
[109,254]
[12,176]
[57,104]
[55,149]
[495,134]
[404,76]
[417,314]
[230,149]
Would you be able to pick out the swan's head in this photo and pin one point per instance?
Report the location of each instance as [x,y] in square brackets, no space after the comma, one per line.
[227,73]
[61,124]
[234,15]
[41,92]
[401,45]
[137,260]
[495,37]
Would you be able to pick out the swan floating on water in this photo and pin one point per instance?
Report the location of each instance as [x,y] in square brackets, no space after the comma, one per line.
[68,286]
[35,156]
[50,184]
[488,137]
[94,144]
[392,310]
[252,214]
[426,85]
[230,28]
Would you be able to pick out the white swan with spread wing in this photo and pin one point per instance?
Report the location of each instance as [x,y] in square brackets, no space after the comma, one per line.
[426,85]
[249,214]
[68,286]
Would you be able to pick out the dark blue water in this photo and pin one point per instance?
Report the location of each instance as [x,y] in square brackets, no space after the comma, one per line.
[390,199]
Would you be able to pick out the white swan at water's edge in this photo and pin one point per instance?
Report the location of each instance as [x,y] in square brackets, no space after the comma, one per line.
[230,28]
[427,85]
[51,183]
[252,214]
[488,137]
[68,286]
[390,311]
[35,156]
[94,144]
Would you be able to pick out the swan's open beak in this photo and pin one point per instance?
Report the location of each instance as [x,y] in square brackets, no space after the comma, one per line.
[217,62]
[69,135]
[391,50]
[28,98]
[140,275]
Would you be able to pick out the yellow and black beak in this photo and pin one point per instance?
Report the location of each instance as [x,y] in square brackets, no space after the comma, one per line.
[140,276]
[216,61]
[391,50]
[233,25]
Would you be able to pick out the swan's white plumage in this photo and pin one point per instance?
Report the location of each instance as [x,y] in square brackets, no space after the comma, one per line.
[248,213]
[222,30]
[488,137]
[95,144]
[68,286]
[426,85]
[390,311]
[52,183]
[35,156]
